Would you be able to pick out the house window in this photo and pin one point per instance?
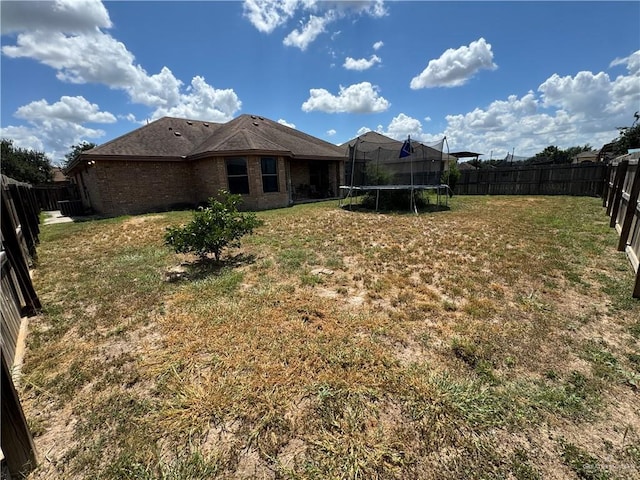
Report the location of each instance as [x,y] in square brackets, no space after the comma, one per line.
[237,175]
[269,174]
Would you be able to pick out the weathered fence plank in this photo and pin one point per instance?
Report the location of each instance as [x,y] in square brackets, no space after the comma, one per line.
[623,206]
[17,444]
[48,196]
[581,179]
[19,229]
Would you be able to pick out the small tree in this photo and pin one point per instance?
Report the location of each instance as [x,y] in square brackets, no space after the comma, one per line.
[76,150]
[213,228]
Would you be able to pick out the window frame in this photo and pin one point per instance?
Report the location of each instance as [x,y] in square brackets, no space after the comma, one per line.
[234,179]
[270,176]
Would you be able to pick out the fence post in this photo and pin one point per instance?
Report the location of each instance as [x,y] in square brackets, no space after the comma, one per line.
[618,184]
[17,443]
[632,205]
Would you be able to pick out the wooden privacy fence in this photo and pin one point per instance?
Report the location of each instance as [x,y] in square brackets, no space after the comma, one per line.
[19,219]
[622,188]
[49,195]
[580,179]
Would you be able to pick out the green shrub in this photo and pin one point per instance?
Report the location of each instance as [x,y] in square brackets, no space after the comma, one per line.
[213,228]
[452,176]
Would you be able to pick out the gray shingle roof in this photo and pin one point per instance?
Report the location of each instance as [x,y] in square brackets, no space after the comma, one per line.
[179,137]
[166,137]
[253,133]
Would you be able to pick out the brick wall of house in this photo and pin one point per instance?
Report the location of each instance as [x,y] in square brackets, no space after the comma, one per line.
[299,175]
[209,177]
[89,186]
[129,187]
[257,198]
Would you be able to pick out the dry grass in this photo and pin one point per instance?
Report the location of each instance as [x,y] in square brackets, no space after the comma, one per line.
[494,340]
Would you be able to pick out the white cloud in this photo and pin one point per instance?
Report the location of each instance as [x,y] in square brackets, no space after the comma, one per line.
[585,93]
[130,117]
[54,128]
[565,111]
[331,132]
[202,102]
[402,125]
[24,137]
[362,63]
[71,16]
[363,130]
[69,109]
[632,62]
[358,98]
[285,123]
[378,45]
[456,67]
[267,15]
[302,38]
[91,56]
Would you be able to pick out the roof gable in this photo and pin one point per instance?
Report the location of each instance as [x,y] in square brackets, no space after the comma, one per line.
[254,133]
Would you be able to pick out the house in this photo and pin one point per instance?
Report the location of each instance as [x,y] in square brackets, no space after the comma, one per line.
[588,156]
[176,162]
[58,176]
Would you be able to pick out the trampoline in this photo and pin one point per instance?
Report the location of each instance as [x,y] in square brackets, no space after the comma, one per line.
[379,164]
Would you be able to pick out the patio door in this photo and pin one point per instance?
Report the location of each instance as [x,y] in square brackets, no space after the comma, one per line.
[319,179]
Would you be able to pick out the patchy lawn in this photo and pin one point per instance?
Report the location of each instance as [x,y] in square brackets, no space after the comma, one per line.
[498,339]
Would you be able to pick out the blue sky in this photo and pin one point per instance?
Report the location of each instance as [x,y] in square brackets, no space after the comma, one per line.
[493,77]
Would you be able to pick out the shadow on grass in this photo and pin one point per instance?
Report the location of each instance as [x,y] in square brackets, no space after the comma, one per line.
[431,208]
[203,268]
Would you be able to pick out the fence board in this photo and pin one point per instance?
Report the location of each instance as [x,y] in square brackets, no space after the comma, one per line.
[623,206]
[581,179]
[16,441]
[19,236]
[48,196]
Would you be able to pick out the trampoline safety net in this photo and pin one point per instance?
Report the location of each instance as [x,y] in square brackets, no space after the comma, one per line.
[376,164]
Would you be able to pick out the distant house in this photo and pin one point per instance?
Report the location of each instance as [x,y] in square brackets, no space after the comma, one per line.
[176,162]
[466,166]
[58,176]
[588,156]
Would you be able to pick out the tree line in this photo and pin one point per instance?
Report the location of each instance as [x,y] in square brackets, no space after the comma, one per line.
[30,166]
